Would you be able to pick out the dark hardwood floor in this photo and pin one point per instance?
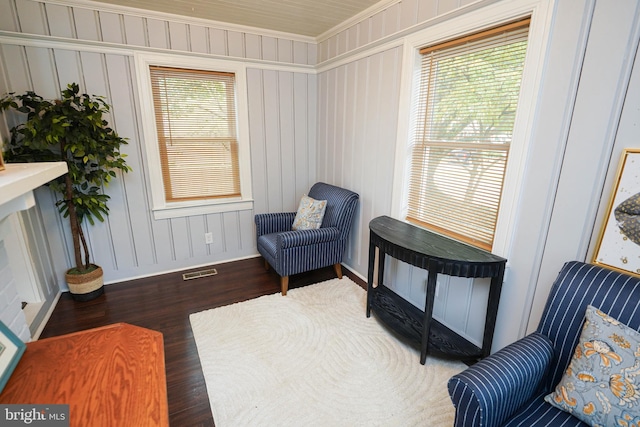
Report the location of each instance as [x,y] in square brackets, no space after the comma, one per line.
[164,303]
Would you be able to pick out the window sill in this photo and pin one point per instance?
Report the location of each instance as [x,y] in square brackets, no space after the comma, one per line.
[180,211]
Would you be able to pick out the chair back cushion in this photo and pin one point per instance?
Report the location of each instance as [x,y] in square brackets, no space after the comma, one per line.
[577,286]
[341,206]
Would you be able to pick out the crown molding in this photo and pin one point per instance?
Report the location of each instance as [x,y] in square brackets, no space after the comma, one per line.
[355,19]
[52,42]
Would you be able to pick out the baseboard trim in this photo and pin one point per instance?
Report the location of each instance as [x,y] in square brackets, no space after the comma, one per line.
[38,331]
[176,270]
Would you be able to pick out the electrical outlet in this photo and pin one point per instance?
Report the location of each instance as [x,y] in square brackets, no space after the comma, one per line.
[208,238]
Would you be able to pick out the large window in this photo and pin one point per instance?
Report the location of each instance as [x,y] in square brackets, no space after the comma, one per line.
[465,114]
[195,128]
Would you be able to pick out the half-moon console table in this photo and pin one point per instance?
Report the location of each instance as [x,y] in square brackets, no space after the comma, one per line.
[438,255]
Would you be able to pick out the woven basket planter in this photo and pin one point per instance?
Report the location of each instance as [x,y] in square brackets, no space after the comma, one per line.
[85,287]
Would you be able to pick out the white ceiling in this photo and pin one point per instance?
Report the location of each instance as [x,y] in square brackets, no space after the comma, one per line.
[303,17]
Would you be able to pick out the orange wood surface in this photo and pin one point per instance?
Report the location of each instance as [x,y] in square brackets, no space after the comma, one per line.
[110,376]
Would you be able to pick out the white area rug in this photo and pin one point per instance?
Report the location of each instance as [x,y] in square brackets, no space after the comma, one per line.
[313,358]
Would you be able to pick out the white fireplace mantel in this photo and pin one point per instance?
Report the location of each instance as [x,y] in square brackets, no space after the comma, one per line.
[19,281]
[18,181]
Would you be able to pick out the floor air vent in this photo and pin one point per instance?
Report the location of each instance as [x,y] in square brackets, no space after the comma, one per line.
[199,274]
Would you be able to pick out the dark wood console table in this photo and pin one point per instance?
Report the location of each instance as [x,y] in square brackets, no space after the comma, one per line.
[438,255]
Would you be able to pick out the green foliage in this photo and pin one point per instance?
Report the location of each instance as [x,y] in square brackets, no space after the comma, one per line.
[477,94]
[72,129]
[200,105]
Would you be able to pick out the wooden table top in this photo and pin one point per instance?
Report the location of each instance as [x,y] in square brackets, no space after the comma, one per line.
[110,376]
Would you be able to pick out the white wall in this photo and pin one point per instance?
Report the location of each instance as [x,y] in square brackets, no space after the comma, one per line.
[605,112]
[45,46]
[577,127]
[337,121]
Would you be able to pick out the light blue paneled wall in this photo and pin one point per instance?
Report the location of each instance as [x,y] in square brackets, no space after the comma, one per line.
[577,131]
[44,46]
[328,109]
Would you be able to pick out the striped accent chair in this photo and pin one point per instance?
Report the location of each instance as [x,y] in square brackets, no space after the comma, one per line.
[508,387]
[292,252]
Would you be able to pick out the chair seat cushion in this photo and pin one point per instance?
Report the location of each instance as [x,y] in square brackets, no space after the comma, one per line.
[538,413]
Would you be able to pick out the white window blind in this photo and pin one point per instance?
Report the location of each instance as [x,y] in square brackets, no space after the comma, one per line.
[465,115]
[195,113]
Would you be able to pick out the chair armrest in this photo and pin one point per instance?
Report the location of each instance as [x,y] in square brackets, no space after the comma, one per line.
[291,239]
[489,392]
[274,222]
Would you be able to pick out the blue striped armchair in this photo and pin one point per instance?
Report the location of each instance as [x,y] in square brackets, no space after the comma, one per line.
[292,252]
[508,387]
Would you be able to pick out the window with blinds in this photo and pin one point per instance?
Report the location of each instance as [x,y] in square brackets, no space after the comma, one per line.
[195,114]
[465,114]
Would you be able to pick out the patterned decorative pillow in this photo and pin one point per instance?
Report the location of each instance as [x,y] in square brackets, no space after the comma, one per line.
[310,214]
[601,386]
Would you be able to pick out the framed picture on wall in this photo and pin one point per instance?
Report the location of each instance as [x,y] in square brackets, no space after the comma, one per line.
[11,350]
[618,245]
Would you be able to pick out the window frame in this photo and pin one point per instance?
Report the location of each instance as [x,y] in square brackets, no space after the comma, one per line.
[473,22]
[160,207]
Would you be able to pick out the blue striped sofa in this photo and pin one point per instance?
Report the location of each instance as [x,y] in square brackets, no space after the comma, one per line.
[508,387]
[291,252]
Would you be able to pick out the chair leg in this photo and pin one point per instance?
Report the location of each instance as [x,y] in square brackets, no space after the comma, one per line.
[338,270]
[284,285]
[266,265]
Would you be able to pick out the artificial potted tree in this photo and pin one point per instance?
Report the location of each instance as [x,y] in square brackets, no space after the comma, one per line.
[72,129]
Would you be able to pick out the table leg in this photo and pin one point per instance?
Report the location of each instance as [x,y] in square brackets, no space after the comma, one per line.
[381,258]
[428,312]
[372,257]
[492,311]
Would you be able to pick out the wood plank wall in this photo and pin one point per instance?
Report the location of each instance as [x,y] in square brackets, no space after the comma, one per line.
[578,126]
[358,103]
[44,46]
[344,136]
[326,109]
[392,18]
